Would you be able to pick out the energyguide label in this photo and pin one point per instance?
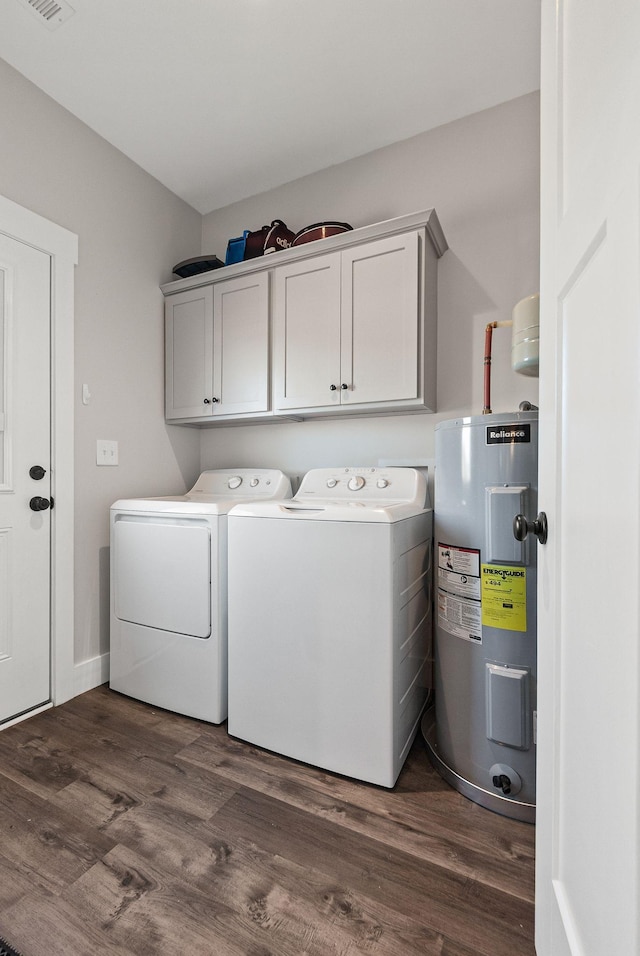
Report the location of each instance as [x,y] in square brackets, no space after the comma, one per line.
[504,597]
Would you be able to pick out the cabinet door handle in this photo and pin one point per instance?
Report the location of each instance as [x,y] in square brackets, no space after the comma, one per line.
[214,400]
[333,387]
[206,401]
[344,385]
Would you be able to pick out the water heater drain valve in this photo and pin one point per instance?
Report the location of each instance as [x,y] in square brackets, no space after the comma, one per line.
[506,779]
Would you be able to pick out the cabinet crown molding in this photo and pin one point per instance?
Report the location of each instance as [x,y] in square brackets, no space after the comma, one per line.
[426,219]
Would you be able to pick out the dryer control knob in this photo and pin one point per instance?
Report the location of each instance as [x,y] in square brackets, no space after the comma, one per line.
[332,482]
[254,482]
[234,482]
[356,483]
[382,483]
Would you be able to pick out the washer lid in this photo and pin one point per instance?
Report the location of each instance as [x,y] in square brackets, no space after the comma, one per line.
[328,511]
[365,494]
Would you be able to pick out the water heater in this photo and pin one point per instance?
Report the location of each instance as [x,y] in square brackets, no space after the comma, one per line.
[481,734]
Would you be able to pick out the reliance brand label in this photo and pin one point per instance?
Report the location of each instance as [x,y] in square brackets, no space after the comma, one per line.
[508,434]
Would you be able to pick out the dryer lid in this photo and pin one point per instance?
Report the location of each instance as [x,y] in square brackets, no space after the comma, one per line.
[216,492]
[242,483]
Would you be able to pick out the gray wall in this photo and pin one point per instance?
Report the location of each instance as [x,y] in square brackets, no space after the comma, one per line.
[481,174]
[131,232]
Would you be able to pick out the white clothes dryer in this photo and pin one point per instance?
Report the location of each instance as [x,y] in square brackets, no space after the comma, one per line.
[169,591]
[328,661]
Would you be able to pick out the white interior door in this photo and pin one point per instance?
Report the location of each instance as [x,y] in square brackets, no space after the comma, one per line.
[24,442]
[588,893]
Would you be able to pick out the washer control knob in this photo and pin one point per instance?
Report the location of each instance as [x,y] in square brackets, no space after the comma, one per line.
[356,483]
[234,482]
[332,482]
[254,482]
[382,483]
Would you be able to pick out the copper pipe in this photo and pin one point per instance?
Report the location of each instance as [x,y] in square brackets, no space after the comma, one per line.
[488,333]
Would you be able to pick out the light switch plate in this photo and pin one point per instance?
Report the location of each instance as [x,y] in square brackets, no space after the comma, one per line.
[106,452]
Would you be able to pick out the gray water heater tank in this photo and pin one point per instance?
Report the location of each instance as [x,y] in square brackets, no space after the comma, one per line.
[481,735]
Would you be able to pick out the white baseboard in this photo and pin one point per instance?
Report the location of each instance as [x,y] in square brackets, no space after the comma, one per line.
[90,674]
[18,720]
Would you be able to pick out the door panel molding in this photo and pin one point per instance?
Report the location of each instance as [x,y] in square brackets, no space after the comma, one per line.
[5,596]
[6,294]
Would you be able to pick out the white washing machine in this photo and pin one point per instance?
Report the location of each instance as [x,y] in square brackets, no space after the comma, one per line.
[169,591]
[328,659]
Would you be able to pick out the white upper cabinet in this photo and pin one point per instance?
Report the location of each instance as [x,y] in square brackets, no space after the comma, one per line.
[381,322]
[349,329]
[306,360]
[217,350]
[189,354]
[354,329]
[241,345]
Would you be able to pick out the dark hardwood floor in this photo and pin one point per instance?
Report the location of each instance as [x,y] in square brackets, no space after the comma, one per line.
[128,830]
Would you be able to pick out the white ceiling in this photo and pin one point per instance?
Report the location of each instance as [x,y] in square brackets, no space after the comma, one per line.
[223,99]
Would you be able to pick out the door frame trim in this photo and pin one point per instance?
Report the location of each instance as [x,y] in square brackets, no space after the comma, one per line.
[62,247]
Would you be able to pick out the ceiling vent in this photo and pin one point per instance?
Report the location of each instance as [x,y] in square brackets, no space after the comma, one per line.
[52,13]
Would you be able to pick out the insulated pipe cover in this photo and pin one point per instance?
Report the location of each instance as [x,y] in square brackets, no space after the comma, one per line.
[525,337]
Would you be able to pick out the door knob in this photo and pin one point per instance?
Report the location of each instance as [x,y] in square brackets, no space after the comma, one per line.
[37,472]
[522,527]
[40,504]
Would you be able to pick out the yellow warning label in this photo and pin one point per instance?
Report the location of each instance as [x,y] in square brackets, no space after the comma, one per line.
[504,597]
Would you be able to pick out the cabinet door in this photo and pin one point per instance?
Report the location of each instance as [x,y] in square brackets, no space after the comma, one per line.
[241,345]
[189,345]
[381,321]
[307,333]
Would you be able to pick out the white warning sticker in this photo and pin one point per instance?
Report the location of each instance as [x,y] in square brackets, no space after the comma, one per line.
[459,592]
[459,571]
[460,560]
[465,585]
[460,617]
